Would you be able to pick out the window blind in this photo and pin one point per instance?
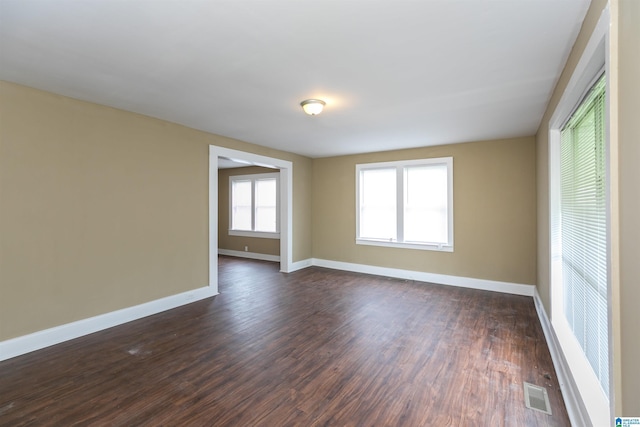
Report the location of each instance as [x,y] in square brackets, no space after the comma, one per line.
[583,228]
[266,194]
[378,204]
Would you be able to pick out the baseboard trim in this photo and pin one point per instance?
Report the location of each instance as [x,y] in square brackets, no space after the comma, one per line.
[251,255]
[578,414]
[299,265]
[441,279]
[38,340]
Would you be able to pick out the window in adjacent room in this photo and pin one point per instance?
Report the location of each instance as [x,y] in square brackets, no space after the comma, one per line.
[253,205]
[406,204]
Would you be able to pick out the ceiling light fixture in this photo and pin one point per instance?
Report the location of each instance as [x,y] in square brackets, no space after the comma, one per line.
[312,106]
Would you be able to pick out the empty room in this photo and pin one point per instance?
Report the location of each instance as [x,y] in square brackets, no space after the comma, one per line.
[319,213]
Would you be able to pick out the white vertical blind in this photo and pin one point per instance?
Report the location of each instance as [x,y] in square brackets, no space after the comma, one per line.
[583,229]
[378,203]
[266,205]
[241,205]
[426,204]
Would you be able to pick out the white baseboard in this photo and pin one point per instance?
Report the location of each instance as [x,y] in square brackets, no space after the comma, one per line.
[576,409]
[251,255]
[41,339]
[299,265]
[441,279]
[48,337]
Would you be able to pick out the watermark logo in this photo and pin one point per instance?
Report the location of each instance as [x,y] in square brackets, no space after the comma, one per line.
[627,422]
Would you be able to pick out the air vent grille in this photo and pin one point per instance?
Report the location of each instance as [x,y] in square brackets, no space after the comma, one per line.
[536,398]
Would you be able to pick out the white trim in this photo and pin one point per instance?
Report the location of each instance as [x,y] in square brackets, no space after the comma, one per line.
[406,245]
[590,64]
[441,279]
[251,255]
[213,218]
[56,335]
[286,205]
[578,414]
[299,265]
[254,234]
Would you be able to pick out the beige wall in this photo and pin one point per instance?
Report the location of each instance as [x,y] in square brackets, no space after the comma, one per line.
[494,212]
[625,141]
[237,243]
[629,178]
[102,209]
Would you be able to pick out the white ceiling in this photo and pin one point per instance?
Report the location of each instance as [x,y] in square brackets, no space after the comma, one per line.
[394,73]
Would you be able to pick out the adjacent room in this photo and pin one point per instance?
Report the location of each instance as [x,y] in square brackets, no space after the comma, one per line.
[270,213]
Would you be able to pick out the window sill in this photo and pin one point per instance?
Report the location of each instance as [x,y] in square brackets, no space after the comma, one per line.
[258,234]
[404,245]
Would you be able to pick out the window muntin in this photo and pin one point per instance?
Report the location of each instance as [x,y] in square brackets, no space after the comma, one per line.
[406,204]
[253,205]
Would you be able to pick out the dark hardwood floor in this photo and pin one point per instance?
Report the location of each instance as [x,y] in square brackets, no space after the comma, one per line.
[313,348]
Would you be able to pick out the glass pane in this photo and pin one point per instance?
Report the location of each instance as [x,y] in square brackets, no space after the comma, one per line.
[583,230]
[266,205]
[241,205]
[425,204]
[378,204]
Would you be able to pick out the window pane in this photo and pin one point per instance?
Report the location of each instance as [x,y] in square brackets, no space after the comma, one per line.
[378,204]
[583,227]
[266,204]
[425,204]
[241,205]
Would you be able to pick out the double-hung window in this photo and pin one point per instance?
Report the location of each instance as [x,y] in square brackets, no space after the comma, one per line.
[406,204]
[253,205]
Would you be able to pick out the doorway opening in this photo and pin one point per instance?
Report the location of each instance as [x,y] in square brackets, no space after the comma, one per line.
[218,154]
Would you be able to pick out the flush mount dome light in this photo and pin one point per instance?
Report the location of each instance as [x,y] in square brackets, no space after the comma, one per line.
[312,106]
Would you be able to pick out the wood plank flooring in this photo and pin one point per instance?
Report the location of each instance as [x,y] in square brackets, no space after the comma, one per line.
[316,347]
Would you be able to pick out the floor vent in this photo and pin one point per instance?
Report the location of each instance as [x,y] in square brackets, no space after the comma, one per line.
[536,398]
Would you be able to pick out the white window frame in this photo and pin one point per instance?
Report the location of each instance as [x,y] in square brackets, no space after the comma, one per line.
[253,178]
[583,390]
[399,166]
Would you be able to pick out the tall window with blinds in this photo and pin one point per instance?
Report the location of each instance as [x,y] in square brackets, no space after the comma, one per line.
[583,229]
